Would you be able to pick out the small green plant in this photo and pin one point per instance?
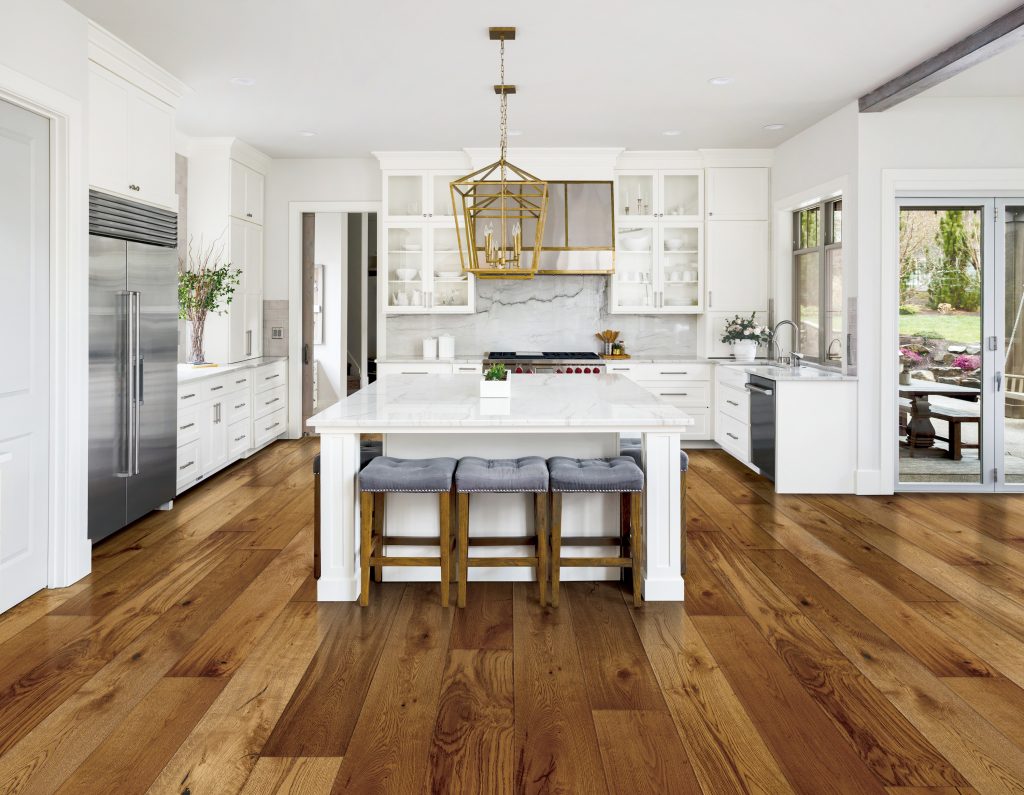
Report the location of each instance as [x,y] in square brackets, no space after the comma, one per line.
[496,372]
[204,286]
[908,309]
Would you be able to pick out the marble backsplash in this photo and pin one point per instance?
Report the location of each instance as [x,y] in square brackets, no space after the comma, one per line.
[544,313]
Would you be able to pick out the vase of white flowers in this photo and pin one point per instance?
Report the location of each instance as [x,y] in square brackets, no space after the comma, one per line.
[745,334]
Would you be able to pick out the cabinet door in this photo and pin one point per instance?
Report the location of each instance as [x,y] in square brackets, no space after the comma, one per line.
[635,195]
[254,196]
[238,175]
[151,149]
[408,272]
[682,195]
[238,254]
[737,265]
[737,194]
[681,272]
[108,132]
[252,311]
[441,208]
[451,290]
[213,443]
[253,257]
[405,196]
[634,285]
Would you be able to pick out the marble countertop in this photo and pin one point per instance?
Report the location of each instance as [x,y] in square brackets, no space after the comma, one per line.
[539,404]
[187,372]
[797,374]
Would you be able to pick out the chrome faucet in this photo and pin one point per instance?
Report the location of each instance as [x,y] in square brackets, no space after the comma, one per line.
[794,354]
[828,356]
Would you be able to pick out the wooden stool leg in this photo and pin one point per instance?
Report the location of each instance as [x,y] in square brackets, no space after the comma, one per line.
[540,513]
[623,533]
[556,545]
[378,531]
[445,524]
[682,522]
[365,545]
[636,526]
[463,511]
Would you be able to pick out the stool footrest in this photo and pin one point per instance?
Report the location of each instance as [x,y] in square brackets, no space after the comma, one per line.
[595,561]
[595,541]
[498,541]
[378,560]
[410,541]
[530,562]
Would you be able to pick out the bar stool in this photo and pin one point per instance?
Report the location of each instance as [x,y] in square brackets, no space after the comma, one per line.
[602,475]
[503,476]
[384,475]
[632,448]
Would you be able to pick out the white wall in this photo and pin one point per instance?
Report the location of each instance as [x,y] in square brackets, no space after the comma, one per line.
[337,179]
[329,249]
[46,40]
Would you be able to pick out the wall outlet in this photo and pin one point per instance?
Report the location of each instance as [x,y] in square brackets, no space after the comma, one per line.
[277,332]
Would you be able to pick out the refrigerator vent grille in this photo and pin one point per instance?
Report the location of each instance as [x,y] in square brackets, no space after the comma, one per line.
[110,216]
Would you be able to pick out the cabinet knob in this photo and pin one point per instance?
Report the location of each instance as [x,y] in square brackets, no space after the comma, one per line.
[248,215]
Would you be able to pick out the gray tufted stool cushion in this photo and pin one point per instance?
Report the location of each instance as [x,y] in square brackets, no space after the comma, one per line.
[634,451]
[595,474]
[407,474]
[514,475]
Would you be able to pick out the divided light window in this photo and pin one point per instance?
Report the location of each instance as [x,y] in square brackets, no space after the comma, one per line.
[818,279]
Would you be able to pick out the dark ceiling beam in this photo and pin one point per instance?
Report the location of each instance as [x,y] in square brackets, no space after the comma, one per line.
[991,40]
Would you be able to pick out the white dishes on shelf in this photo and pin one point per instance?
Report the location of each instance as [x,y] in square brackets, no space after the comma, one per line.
[673,244]
[406,274]
[411,246]
[634,243]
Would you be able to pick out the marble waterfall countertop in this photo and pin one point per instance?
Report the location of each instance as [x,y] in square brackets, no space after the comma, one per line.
[187,372]
[539,403]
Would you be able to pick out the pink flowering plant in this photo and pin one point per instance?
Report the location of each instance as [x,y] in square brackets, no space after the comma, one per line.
[966,362]
[909,357]
[740,329]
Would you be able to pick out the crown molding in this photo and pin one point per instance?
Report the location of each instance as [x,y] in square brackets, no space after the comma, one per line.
[554,162]
[652,159]
[724,158]
[108,51]
[419,161]
[228,148]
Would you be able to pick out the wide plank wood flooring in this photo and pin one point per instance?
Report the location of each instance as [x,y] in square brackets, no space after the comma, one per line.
[827,645]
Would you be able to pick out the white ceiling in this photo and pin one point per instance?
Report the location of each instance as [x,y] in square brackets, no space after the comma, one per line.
[410,74]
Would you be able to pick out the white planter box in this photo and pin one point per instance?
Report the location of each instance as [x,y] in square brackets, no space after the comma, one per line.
[496,389]
[745,350]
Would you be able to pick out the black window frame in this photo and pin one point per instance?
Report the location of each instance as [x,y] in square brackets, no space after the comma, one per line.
[830,238]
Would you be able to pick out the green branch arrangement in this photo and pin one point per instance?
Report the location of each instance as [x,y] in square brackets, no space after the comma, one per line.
[204,285]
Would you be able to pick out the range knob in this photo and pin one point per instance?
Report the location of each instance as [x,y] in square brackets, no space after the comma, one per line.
[597,371]
[579,369]
[586,369]
[519,369]
[558,370]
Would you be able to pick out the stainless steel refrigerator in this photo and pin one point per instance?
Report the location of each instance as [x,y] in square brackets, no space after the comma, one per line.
[133,341]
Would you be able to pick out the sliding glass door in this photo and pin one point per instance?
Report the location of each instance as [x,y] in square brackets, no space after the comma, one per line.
[960,396]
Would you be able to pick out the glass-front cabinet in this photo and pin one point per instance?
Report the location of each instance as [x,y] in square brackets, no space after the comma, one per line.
[659,268]
[647,195]
[421,250]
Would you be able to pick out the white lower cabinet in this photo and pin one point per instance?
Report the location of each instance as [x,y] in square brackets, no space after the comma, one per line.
[434,367]
[732,412]
[224,417]
[683,384]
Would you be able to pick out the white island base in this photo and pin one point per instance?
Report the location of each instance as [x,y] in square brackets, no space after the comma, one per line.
[555,417]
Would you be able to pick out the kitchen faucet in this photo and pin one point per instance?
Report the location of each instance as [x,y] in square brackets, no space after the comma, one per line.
[794,354]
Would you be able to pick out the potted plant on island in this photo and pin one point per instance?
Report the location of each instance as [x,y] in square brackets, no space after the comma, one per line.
[496,382]
[745,334]
[203,287]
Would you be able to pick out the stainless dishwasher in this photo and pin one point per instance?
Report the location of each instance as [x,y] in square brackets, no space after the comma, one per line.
[762,424]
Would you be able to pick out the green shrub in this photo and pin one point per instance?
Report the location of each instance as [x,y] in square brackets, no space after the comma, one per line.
[908,309]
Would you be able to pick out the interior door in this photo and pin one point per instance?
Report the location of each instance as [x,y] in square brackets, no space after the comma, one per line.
[24,378]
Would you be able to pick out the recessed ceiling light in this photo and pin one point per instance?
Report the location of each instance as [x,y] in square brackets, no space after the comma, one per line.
[671,132]
[514,133]
[774,127]
[720,81]
[243,81]
[306,133]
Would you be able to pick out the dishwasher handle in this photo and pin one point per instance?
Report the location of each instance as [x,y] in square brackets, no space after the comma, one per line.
[759,389]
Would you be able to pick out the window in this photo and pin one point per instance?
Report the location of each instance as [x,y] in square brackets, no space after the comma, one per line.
[818,280]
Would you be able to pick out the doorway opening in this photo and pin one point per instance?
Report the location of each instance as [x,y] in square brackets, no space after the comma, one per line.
[339,300]
[960,396]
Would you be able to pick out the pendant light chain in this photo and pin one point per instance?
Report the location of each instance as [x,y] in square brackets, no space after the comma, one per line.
[503,123]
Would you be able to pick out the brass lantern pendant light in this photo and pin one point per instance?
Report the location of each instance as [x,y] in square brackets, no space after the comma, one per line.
[501,206]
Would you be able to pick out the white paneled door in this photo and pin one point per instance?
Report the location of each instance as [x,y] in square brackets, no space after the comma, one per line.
[24,320]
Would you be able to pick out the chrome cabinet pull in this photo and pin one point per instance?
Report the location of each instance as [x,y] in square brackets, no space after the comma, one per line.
[241,380]
[186,466]
[185,427]
[414,372]
[733,403]
[239,438]
[732,436]
[674,394]
[215,388]
[673,372]
[248,343]
[186,397]
[272,426]
[239,405]
[272,401]
[275,375]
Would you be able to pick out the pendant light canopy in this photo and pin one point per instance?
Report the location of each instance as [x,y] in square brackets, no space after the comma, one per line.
[502,208]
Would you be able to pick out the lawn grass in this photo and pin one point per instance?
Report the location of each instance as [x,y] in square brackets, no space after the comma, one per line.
[958,328]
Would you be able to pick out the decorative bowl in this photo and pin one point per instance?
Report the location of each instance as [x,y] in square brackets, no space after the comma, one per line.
[674,244]
[406,274]
[411,246]
[634,243]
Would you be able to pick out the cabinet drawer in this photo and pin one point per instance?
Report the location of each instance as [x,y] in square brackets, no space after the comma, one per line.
[463,367]
[625,370]
[271,400]
[681,393]
[733,435]
[269,376]
[670,371]
[238,407]
[734,376]
[269,427]
[239,438]
[414,368]
[701,428]
[215,388]
[188,425]
[188,470]
[239,380]
[734,402]
[189,394]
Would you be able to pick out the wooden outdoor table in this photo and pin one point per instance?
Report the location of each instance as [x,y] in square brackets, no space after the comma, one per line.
[919,393]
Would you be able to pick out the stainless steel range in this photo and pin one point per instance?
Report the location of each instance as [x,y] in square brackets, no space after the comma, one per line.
[544,362]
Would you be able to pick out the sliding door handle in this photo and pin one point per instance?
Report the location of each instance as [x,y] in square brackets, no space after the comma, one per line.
[305,353]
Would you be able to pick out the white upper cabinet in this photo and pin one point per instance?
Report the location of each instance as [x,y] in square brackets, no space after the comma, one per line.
[737,194]
[737,265]
[676,194]
[419,196]
[131,140]
[246,193]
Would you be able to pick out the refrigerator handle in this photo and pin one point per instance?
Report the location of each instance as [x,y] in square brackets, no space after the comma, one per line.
[137,319]
[125,463]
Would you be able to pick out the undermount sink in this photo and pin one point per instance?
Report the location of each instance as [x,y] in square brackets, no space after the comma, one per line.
[776,371]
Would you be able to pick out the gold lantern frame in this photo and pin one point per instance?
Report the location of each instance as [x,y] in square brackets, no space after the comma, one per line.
[500,194]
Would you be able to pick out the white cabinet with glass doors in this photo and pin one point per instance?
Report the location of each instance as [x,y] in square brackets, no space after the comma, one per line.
[676,195]
[659,268]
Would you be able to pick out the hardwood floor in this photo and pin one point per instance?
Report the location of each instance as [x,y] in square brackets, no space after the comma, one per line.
[827,644]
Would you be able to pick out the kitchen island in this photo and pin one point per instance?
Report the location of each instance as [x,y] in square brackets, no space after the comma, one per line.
[422,416]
